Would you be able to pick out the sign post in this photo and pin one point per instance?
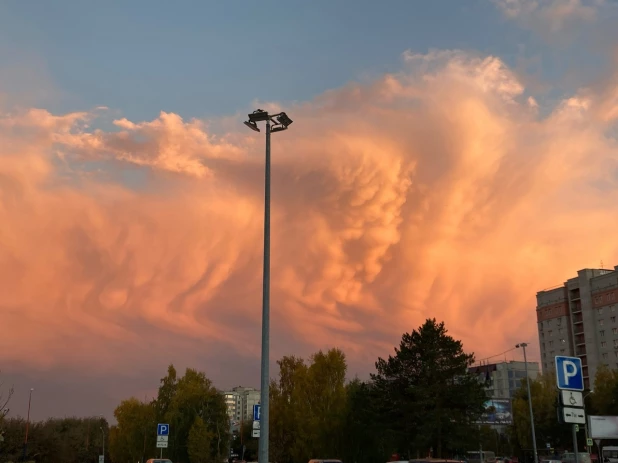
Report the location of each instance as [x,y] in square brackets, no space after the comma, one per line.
[570,381]
[256,421]
[163,434]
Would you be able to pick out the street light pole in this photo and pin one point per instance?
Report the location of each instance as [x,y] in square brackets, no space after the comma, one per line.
[103,445]
[523,345]
[27,424]
[586,422]
[279,122]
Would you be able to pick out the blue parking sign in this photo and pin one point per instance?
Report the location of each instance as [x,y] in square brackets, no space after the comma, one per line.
[256,412]
[163,429]
[569,373]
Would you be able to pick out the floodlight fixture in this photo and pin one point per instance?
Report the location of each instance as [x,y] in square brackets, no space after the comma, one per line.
[279,128]
[252,125]
[259,115]
[284,120]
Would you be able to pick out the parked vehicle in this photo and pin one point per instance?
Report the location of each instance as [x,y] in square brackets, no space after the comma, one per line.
[487,457]
[582,457]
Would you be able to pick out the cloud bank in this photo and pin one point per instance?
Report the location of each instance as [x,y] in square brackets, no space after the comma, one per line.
[435,192]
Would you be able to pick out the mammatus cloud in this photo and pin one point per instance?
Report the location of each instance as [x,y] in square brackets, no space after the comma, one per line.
[435,192]
[552,14]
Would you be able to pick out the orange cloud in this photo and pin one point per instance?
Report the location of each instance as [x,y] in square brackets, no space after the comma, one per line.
[435,192]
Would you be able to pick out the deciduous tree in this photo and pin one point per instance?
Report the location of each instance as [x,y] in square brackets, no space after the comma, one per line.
[199,442]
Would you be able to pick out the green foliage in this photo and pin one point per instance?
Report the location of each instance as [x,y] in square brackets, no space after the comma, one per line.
[544,405]
[195,411]
[199,442]
[308,406]
[604,400]
[66,440]
[133,436]
[427,397]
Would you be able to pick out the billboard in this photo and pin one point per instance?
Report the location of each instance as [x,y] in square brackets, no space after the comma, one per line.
[603,427]
[497,411]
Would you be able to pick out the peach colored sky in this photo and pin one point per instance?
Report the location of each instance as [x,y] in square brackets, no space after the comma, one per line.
[442,191]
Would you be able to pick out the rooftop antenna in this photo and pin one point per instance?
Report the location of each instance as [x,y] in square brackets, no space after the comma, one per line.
[602,268]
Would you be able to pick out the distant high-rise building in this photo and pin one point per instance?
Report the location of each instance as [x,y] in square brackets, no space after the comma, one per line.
[504,378]
[240,401]
[578,318]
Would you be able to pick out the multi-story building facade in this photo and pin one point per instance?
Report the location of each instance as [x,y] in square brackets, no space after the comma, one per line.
[578,318]
[240,401]
[504,378]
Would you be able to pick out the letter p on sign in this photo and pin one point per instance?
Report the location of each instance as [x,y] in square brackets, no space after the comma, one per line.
[570,371]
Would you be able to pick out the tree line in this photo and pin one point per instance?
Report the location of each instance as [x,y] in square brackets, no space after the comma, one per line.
[420,401]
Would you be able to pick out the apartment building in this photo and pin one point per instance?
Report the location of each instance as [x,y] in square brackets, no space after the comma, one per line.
[504,378]
[240,401]
[578,318]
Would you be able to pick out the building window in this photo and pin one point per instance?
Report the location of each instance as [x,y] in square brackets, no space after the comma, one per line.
[559,321]
[562,351]
[613,308]
[616,343]
[552,353]
[601,322]
[604,355]
[613,319]
[543,335]
[603,344]
[614,330]
[544,355]
[549,333]
[551,343]
[563,341]
[600,311]
[561,331]
[602,333]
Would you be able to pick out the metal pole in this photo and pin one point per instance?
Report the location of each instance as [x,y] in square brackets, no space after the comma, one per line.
[27,424]
[536,457]
[103,435]
[575,451]
[265,376]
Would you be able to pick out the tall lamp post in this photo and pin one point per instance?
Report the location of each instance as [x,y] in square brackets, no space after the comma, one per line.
[523,345]
[274,123]
[103,442]
[586,423]
[28,423]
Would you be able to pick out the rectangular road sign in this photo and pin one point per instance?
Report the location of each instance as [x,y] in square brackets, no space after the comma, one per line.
[256,425]
[163,438]
[573,415]
[163,429]
[256,433]
[162,444]
[101,458]
[569,374]
[256,412]
[572,399]
[589,442]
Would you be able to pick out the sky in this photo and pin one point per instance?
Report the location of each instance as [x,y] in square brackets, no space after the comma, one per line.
[447,159]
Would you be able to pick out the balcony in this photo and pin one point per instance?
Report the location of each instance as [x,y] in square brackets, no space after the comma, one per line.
[576,307]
